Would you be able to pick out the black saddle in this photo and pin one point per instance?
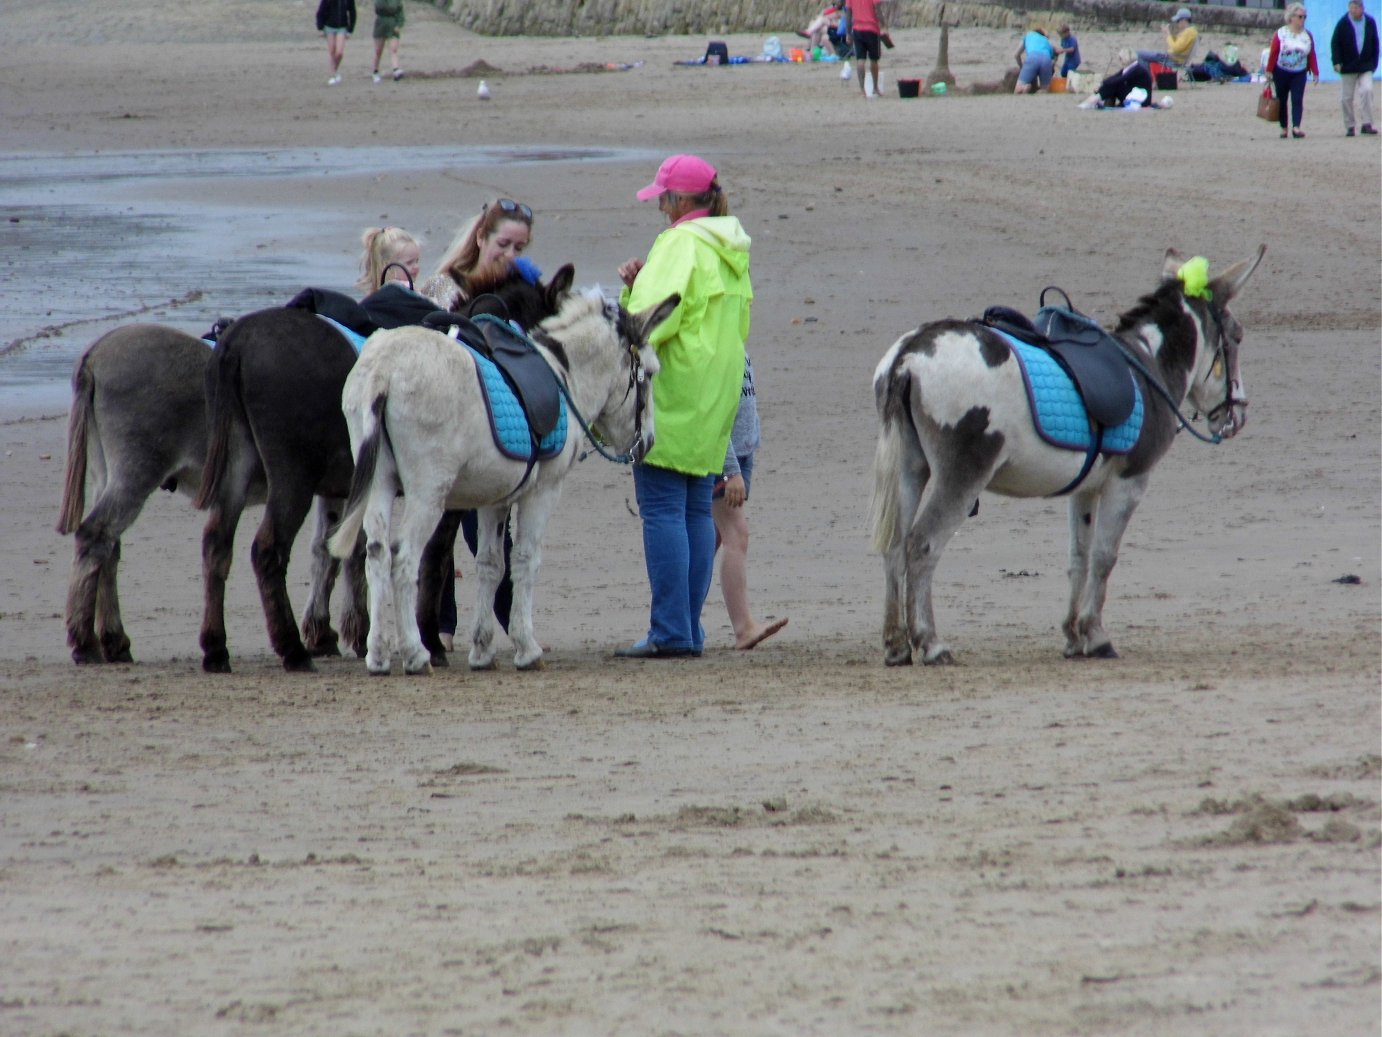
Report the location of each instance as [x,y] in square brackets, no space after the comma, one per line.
[523,367]
[392,306]
[1085,351]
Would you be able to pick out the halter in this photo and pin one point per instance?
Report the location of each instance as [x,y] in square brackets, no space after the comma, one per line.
[1231,386]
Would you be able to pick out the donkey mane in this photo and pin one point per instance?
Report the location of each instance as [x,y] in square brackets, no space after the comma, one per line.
[1162,307]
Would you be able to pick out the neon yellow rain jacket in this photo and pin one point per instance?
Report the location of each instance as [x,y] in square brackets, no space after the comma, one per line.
[701,345]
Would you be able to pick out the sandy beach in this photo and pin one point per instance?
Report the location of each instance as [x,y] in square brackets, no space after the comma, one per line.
[794,840]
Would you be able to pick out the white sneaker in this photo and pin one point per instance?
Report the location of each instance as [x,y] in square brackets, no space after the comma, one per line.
[397,74]
[334,80]
[1092,101]
[378,78]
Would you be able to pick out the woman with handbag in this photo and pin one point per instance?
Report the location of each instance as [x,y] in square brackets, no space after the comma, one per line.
[1292,57]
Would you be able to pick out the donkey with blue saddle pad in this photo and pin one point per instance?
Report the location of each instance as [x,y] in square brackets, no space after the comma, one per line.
[960,414]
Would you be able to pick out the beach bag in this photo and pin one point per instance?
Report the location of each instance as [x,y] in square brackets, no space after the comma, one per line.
[1268,107]
[772,49]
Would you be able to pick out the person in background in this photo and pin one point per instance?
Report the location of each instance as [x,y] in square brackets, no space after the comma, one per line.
[388,28]
[1291,59]
[1114,90]
[703,256]
[1036,57]
[817,34]
[866,29]
[731,524]
[483,252]
[1181,38]
[390,254]
[1068,50]
[1353,53]
[335,21]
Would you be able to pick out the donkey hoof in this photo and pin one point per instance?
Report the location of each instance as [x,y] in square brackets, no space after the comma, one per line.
[897,657]
[324,649]
[295,663]
[440,661]
[1103,651]
[425,670]
[481,663]
[939,657]
[216,663]
[535,666]
[122,656]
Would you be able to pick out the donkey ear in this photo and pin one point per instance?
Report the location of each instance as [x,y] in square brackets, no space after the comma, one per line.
[560,285]
[1231,281]
[655,315]
[1171,265]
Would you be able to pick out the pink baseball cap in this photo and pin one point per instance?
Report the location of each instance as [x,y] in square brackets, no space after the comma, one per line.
[684,174]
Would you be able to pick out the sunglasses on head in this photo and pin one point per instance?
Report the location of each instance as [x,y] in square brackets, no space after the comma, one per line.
[509,205]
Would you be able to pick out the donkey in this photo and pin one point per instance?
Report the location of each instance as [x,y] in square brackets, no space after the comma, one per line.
[137,424]
[273,392]
[420,427]
[956,421]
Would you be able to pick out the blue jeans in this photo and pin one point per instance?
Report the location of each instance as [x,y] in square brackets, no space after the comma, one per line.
[679,551]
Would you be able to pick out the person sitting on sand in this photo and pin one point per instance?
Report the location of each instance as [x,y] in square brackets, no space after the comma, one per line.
[817,34]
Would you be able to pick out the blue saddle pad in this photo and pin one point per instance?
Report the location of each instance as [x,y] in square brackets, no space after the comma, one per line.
[507,419]
[1059,414]
[356,340]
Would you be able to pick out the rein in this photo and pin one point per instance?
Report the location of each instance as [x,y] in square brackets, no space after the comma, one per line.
[1135,362]
[636,379]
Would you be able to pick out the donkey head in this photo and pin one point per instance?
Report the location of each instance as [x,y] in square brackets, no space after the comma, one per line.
[1216,385]
[526,303]
[627,416]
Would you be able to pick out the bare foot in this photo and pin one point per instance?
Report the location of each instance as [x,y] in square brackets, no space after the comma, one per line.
[760,633]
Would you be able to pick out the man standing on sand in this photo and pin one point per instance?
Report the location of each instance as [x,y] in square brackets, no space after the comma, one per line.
[1353,53]
[866,29]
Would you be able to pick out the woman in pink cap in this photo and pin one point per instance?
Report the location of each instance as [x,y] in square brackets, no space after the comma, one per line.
[704,257]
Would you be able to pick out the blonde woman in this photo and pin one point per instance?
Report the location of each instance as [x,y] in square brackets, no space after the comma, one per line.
[1291,59]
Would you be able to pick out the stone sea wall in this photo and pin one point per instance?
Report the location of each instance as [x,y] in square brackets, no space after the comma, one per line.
[709,17]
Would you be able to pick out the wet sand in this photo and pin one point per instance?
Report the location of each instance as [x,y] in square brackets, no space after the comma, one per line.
[790,840]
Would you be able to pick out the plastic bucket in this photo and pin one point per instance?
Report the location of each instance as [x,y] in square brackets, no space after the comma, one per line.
[909,88]
[1058,84]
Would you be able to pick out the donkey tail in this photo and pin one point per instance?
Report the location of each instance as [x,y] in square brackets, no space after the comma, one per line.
[342,540]
[224,408]
[884,506]
[79,422]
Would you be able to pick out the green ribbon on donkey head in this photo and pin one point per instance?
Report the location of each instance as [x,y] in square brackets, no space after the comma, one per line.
[1194,278]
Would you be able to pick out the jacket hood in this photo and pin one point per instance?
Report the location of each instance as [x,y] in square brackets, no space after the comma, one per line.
[726,235]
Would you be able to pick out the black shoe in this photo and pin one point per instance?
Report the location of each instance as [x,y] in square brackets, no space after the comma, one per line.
[648,650]
[1368,131]
[1349,133]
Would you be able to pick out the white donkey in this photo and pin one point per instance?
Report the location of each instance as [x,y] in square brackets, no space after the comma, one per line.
[956,421]
[419,426]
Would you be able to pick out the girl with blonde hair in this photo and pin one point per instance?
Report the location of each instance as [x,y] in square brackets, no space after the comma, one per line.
[390,254]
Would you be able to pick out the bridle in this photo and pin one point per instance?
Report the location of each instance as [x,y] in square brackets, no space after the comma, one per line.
[640,385]
[1221,417]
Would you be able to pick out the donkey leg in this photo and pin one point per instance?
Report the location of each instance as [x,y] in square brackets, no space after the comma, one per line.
[317,635]
[530,524]
[94,550]
[897,645]
[378,572]
[947,505]
[269,554]
[489,571]
[218,541]
[1082,514]
[438,565]
[421,513]
[115,644]
[1115,511]
[355,620]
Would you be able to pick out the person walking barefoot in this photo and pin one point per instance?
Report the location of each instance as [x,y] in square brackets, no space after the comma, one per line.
[335,21]
[732,525]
